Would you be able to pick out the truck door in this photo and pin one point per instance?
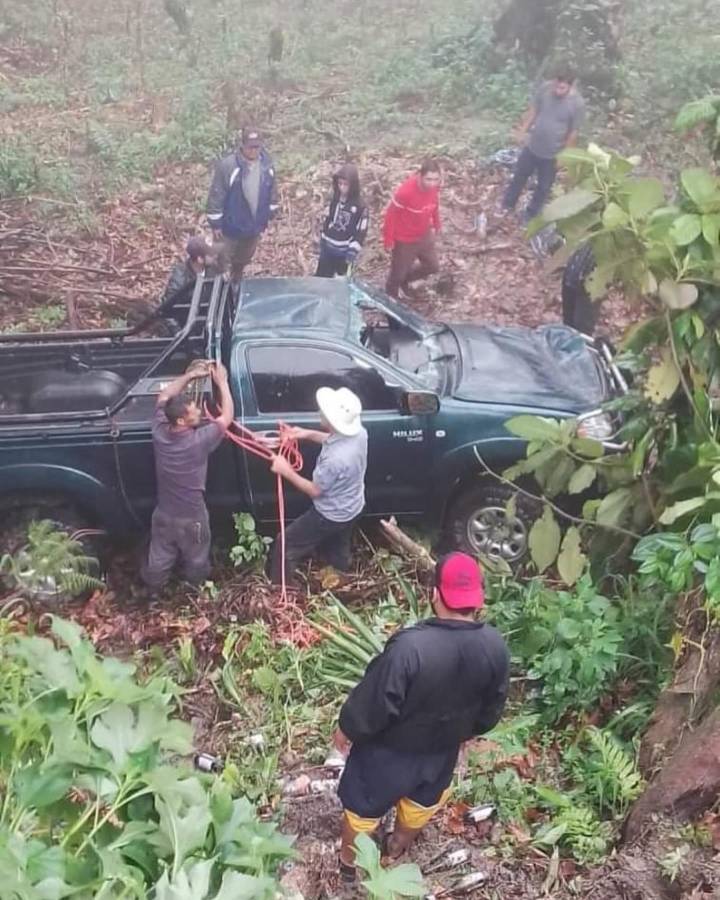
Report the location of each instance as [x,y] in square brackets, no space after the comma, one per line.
[283,379]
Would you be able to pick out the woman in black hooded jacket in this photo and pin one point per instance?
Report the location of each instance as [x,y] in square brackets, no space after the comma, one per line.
[345,225]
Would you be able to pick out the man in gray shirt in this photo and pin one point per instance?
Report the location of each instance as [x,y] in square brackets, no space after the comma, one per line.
[337,487]
[551,124]
[182,443]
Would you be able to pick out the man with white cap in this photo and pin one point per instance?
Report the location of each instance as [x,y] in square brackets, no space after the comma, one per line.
[337,487]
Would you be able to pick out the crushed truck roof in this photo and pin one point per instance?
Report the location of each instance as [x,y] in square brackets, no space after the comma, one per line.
[287,304]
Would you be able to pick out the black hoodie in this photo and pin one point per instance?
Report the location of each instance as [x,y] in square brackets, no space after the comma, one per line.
[346,223]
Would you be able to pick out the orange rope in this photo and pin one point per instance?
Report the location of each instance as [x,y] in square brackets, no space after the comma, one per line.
[288,448]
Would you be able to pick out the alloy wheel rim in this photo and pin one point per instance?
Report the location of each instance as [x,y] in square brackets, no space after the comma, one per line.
[492,532]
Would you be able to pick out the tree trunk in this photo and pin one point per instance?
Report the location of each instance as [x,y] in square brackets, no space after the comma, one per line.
[583,34]
[687,785]
[528,27]
[682,743]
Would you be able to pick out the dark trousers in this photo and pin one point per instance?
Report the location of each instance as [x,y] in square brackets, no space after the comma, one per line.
[527,165]
[174,540]
[309,533]
[411,262]
[234,254]
[329,265]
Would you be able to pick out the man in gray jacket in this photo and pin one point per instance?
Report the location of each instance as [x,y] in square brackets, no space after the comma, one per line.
[242,200]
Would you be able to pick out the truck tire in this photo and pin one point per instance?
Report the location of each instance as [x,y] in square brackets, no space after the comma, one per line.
[579,311]
[17,516]
[478,522]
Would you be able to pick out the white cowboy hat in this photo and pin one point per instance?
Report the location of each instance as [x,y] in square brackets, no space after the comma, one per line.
[341,409]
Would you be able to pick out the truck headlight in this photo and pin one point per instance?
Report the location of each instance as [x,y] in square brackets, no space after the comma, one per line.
[598,426]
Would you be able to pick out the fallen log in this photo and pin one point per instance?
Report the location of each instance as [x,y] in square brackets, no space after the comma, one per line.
[406,546]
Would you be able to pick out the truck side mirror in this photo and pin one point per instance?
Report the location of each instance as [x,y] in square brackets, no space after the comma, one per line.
[419,403]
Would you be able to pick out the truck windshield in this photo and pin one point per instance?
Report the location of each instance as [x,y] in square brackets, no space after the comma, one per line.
[424,349]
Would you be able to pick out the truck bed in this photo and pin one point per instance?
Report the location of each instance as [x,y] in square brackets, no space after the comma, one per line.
[69,374]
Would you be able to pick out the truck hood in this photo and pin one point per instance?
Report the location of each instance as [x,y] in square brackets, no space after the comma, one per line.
[550,367]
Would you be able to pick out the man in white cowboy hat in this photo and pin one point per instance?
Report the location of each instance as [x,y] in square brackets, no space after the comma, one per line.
[337,487]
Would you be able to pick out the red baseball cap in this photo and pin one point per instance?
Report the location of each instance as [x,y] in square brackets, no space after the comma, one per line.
[459,581]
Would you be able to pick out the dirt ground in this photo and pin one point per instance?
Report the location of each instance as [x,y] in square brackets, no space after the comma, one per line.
[124,258]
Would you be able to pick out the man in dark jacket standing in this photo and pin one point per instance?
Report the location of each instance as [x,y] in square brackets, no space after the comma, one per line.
[345,226]
[242,200]
[435,686]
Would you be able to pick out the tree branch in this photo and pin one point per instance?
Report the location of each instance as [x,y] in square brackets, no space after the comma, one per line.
[578,520]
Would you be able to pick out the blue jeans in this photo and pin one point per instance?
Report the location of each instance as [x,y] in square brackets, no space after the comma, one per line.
[527,165]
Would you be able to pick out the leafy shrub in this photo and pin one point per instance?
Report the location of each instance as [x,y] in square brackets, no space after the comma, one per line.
[250,548]
[570,641]
[95,805]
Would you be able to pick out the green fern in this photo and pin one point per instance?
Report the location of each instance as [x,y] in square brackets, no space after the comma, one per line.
[578,830]
[610,774]
[52,561]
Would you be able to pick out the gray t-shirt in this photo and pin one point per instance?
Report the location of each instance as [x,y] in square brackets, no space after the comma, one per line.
[340,475]
[181,459]
[251,184]
[555,118]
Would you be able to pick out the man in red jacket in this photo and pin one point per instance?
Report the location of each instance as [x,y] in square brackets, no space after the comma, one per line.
[411,221]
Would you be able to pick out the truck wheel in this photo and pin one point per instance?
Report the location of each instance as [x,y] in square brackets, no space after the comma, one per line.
[13,539]
[479,524]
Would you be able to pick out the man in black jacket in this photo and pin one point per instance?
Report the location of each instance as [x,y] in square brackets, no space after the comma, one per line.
[435,686]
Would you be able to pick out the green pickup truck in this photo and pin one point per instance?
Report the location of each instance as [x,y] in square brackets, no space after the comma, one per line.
[76,407]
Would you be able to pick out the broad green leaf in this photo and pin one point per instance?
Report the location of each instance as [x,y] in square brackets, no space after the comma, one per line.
[221,802]
[644,196]
[556,481]
[266,680]
[599,280]
[73,636]
[680,509]
[582,479]
[571,560]
[56,667]
[569,205]
[404,880]
[599,155]
[184,818]
[38,786]
[614,216]
[614,507]
[677,295]
[121,731]
[711,228]
[534,428]
[51,889]
[685,229]
[367,855]
[544,540]
[588,447]
[568,629]
[576,155]
[238,886]
[702,188]
[663,379]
